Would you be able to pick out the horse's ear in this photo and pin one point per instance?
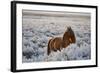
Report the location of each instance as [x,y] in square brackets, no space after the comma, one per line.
[68,28]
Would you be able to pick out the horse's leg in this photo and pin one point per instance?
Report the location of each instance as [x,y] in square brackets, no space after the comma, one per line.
[59,49]
[54,50]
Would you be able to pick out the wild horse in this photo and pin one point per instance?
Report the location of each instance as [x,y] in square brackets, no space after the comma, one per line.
[59,43]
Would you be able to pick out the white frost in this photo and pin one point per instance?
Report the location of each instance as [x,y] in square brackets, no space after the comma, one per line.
[37,32]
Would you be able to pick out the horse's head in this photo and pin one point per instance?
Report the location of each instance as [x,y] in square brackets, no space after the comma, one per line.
[69,35]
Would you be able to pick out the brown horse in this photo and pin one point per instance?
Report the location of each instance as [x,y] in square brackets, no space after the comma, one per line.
[58,43]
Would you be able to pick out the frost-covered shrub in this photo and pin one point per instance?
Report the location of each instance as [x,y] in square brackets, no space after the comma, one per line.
[36,34]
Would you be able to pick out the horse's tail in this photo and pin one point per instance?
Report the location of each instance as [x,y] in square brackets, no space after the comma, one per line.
[48,50]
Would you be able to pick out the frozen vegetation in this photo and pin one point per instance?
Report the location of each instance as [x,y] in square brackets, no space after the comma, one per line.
[37,30]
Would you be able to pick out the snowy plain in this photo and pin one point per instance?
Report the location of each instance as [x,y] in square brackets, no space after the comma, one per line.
[39,27]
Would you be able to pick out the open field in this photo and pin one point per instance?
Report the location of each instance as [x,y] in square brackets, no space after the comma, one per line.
[39,27]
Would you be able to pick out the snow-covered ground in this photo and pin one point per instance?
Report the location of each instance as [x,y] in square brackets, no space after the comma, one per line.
[37,29]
